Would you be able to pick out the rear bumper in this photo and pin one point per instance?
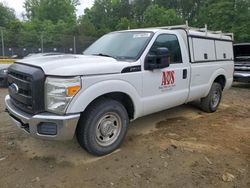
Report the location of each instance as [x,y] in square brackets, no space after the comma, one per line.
[242,76]
[63,127]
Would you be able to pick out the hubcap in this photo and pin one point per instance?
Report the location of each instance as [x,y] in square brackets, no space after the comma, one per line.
[215,99]
[108,129]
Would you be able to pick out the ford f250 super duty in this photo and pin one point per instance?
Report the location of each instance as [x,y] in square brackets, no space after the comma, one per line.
[122,76]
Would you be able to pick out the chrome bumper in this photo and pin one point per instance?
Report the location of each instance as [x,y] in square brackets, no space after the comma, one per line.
[65,125]
[242,76]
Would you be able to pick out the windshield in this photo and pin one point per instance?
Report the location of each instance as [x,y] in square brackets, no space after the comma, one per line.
[120,45]
[242,52]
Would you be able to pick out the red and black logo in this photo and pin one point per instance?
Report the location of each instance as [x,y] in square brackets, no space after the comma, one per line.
[168,78]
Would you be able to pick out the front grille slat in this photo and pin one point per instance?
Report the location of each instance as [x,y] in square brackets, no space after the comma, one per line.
[24,85]
[28,84]
[21,105]
[23,99]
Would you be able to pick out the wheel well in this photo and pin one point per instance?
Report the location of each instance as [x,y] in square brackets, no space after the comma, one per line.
[123,98]
[221,80]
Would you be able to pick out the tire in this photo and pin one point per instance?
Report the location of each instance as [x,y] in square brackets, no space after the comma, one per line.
[211,102]
[102,128]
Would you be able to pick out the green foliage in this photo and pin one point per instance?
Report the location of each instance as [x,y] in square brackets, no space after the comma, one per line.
[7,16]
[187,9]
[123,24]
[86,26]
[55,21]
[138,9]
[109,15]
[229,16]
[102,16]
[159,16]
[53,10]
[50,20]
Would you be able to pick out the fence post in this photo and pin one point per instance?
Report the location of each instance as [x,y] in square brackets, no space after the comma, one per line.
[42,42]
[3,53]
[74,44]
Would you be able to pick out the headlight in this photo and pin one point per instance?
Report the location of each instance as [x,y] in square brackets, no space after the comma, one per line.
[59,92]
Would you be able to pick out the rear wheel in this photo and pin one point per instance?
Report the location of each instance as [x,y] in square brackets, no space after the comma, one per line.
[102,127]
[212,101]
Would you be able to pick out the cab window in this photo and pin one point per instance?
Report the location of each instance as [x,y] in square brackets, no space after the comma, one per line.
[171,42]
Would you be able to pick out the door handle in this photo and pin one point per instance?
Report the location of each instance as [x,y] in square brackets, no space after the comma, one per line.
[184,75]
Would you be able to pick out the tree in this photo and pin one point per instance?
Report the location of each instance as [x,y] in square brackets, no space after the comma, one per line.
[86,26]
[11,26]
[123,24]
[229,16]
[12,34]
[102,16]
[7,16]
[139,7]
[159,16]
[54,21]
[53,10]
[187,9]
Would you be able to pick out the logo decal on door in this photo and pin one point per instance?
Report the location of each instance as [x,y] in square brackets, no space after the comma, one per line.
[168,79]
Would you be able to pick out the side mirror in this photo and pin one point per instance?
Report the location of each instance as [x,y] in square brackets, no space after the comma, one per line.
[159,59]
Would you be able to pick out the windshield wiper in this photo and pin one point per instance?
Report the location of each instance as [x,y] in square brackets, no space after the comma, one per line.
[104,55]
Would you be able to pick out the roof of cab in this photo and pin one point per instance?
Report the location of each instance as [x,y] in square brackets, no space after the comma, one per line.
[154,30]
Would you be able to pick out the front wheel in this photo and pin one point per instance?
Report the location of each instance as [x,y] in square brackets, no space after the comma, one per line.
[212,101]
[102,127]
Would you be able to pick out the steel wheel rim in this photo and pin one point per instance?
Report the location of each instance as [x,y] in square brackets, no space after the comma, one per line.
[215,98]
[108,129]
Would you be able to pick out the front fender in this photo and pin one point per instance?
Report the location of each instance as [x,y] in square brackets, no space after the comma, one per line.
[86,96]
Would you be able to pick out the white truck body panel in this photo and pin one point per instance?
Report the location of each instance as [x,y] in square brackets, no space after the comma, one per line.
[156,99]
[102,75]
[73,65]
[143,87]
[95,86]
[224,50]
[200,85]
[200,47]
[205,57]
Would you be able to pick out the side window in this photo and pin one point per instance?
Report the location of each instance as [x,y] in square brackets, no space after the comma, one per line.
[171,42]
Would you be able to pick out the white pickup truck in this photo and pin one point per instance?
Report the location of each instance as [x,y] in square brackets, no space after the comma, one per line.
[122,76]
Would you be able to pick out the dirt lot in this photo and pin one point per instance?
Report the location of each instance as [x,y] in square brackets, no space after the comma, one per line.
[181,147]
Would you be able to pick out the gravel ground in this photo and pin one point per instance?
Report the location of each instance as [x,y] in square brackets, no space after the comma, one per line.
[180,147]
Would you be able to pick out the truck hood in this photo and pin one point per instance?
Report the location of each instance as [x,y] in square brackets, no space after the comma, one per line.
[73,65]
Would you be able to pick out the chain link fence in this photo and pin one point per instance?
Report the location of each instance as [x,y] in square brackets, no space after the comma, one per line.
[23,43]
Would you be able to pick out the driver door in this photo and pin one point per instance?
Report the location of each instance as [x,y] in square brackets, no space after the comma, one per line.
[167,87]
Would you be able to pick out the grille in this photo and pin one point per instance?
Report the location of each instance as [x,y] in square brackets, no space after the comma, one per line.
[242,67]
[26,85]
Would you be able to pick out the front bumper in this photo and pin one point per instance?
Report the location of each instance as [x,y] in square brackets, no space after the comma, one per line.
[242,76]
[65,125]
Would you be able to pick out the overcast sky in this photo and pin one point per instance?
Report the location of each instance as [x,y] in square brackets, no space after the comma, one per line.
[18,6]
